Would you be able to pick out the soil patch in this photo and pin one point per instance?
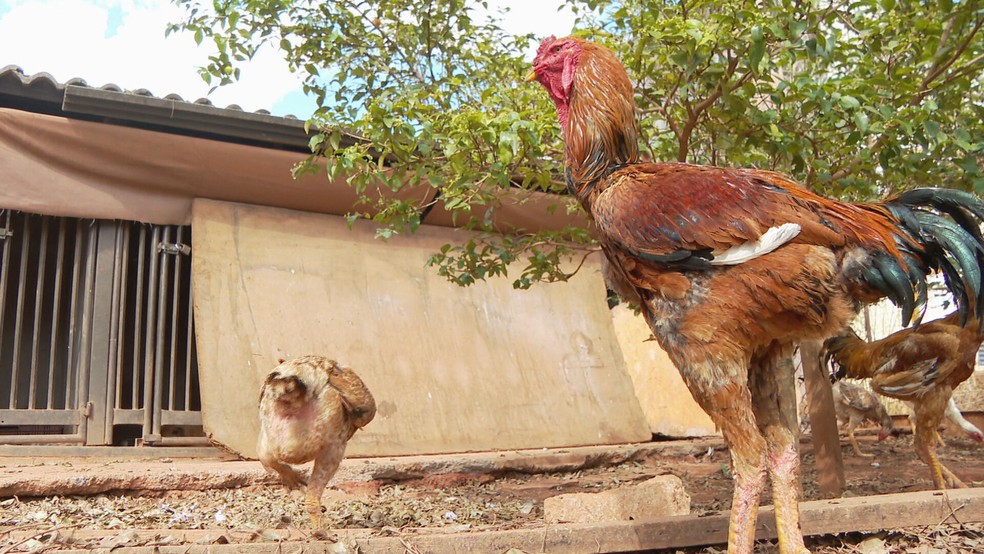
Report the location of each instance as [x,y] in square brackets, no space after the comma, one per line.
[473,497]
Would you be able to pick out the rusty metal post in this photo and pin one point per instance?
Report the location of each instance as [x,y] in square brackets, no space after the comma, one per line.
[823,421]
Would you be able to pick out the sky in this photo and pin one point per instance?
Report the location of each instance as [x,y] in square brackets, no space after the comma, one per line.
[122,42]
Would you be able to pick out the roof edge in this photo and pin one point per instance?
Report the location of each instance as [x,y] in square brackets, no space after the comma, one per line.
[180,115]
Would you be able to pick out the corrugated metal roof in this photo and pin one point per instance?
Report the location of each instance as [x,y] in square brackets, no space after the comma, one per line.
[42,93]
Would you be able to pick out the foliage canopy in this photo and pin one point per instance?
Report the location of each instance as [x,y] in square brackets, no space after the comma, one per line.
[854,98]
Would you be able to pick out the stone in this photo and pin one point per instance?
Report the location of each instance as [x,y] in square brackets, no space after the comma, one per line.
[658,497]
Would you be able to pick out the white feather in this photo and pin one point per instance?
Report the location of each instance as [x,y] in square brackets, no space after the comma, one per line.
[769,241]
[954,415]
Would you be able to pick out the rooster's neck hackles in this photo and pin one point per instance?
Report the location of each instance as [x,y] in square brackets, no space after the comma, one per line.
[600,130]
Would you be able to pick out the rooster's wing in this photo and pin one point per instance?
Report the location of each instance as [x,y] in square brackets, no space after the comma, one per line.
[693,216]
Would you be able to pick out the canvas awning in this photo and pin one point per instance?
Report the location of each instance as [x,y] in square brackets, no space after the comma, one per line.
[70,167]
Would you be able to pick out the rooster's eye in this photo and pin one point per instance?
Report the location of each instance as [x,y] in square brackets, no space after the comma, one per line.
[556,49]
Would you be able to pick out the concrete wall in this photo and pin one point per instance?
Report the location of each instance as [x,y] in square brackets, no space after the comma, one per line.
[452,369]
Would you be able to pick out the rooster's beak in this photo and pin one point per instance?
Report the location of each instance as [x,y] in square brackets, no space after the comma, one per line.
[531,76]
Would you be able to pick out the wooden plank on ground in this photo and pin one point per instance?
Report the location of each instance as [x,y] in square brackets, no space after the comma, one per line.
[818,518]
[823,422]
[869,513]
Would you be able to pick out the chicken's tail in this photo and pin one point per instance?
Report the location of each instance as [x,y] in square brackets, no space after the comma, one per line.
[946,227]
[843,356]
[358,401]
[284,388]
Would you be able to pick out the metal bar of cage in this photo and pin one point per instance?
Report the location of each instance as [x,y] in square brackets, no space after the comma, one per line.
[112,357]
[56,310]
[175,296]
[119,313]
[150,318]
[156,428]
[73,375]
[36,327]
[112,282]
[189,344]
[18,314]
[85,326]
[5,249]
[136,398]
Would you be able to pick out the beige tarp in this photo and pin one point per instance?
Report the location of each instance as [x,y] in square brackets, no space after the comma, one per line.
[69,167]
[453,369]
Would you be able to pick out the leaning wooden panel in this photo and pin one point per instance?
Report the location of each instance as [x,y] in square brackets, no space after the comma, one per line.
[664,397]
[452,369]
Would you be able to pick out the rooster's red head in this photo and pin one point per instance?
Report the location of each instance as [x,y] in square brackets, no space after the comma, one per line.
[585,79]
[554,65]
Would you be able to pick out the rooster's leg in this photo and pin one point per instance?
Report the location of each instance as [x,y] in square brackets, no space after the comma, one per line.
[325,466]
[783,458]
[730,407]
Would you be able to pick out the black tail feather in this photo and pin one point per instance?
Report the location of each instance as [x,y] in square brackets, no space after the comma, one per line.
[947,201]
[896,279]
[947,225]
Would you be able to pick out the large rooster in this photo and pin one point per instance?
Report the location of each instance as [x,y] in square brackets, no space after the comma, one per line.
[731,268]
[920,365]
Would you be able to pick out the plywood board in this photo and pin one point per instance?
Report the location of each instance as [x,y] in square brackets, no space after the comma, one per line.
[452,369]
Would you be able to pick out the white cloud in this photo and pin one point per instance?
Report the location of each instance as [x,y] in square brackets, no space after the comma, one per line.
[535,16]
[68,39]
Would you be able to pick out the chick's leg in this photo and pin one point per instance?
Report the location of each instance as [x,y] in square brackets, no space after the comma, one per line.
[929,413]
[325,466]
[851,425]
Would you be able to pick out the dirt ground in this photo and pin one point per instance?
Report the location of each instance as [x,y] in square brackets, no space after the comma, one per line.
[469,501]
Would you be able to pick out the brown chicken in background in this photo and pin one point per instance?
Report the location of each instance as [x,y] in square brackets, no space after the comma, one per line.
[309,408]
[921,365]
[732,268]
[855,404]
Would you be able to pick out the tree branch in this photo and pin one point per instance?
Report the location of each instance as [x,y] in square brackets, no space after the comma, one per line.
[935,70]
[694,112]
[389,41]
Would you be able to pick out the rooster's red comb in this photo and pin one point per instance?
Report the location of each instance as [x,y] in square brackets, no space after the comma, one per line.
[545,44]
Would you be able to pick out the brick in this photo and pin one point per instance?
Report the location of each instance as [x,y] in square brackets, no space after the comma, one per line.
[658,497]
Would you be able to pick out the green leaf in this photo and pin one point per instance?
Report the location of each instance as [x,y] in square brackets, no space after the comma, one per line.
[850,102]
